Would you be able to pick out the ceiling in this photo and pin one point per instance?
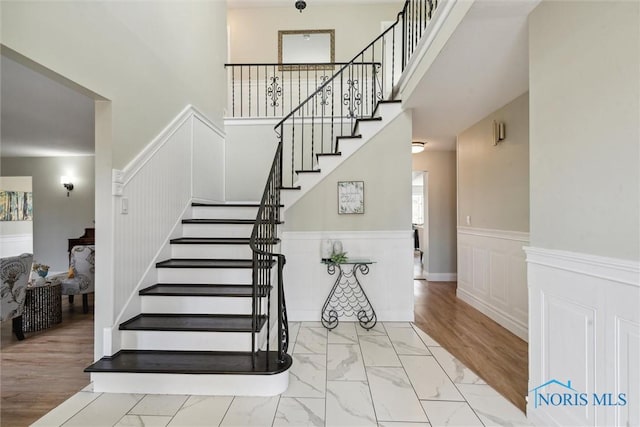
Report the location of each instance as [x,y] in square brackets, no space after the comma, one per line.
[482,67]
[40,117]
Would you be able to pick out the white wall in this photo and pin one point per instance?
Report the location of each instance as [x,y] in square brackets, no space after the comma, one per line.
[441,166]
[16,237]
[149,58]
[158,187]
[254,32]
[583,270]
[57,217]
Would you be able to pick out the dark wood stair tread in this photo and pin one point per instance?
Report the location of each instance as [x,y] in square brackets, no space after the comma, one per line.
[328,154]
[200,290]
[191,322]
[291,188]
[308,171]
[192,362]
[209,263]
[219,241]
[219,221]
[226,205]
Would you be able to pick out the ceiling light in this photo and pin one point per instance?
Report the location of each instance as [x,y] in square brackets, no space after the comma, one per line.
[417,147]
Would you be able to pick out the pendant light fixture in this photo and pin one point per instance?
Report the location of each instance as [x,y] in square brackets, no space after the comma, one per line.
[300,5]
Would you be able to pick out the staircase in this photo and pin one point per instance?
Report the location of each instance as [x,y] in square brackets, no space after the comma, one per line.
[364,129]
[195,333]
[216,321]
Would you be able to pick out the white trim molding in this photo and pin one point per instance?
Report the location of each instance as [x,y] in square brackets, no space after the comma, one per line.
[492,275]
[441,277]
[584,326]
[122,177]
[617,270]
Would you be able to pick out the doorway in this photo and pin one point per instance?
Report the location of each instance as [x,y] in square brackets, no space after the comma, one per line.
[420,222]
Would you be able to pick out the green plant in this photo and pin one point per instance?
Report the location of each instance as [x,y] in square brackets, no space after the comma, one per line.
[40,267]
[339,257]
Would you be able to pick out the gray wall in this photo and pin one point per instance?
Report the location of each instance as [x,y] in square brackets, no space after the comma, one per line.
[384,164]
[585,127]
[493,181]
[441,166]
[150,59]
[56,217]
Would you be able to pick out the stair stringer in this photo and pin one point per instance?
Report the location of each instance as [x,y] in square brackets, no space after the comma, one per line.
[347,147]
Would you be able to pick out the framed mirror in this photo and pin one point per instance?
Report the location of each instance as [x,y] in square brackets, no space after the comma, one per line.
[306,47]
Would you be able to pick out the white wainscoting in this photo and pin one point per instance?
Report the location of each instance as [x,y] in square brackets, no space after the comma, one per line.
[492,275]
[185,162]
[584,328]
[15,244]
[389,284]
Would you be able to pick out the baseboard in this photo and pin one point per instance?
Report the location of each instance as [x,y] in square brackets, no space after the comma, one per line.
[441,277]
[501,318]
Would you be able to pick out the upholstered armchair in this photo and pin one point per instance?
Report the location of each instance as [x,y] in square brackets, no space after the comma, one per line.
[15,273]
[80,280]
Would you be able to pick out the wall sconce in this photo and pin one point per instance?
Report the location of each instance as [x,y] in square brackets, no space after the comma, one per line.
[417,147]
[67,183]
[498,132]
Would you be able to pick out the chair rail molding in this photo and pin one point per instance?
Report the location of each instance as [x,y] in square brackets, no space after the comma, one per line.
[584,326]
[492,275]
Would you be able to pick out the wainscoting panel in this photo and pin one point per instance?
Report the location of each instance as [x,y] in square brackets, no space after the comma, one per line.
[492,275]
[158,186]
[584,328]
[389,284]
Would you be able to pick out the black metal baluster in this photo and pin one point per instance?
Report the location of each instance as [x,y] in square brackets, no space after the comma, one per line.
[333,103]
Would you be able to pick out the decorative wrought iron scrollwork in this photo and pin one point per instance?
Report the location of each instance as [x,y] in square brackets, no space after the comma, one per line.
[352,98]
[274,91]
[347,298]
[378,83]
[325,93]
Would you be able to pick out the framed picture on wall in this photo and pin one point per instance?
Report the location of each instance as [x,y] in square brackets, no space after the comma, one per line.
[350,197]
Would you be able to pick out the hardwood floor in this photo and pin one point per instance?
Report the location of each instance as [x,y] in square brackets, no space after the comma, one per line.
[493,353]
[45,369]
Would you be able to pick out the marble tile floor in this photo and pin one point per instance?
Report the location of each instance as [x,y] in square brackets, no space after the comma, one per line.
[394,375]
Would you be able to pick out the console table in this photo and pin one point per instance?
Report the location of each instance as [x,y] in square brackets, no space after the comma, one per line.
[347,297]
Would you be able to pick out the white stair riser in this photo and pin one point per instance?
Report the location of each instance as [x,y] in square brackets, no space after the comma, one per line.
[211,251]
[217,212]
[196,305]
[188,340]
[217,230]
[208,385]
[229,276]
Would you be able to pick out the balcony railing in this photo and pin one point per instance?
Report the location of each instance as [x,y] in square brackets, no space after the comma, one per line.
[273,90]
